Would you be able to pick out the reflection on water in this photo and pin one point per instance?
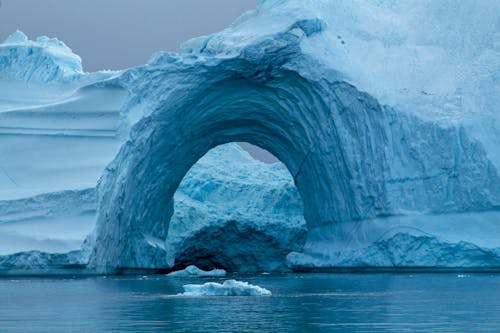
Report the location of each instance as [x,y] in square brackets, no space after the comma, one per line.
[300,303]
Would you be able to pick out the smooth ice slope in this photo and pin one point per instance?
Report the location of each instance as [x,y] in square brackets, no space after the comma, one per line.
[50,222]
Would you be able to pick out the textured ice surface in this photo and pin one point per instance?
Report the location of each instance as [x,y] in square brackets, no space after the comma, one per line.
[385,114]
[192,271]
[227,288]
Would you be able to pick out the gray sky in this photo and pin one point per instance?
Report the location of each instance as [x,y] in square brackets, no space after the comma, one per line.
[116,34]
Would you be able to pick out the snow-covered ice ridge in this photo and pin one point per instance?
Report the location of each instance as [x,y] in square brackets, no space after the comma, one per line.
[388,125]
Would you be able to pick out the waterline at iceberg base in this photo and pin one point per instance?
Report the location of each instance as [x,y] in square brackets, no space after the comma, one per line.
[382,166]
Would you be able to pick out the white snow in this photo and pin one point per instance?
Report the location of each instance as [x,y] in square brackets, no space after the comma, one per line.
[227,288]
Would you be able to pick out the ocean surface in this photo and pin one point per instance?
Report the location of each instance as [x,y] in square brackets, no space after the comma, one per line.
[383,302]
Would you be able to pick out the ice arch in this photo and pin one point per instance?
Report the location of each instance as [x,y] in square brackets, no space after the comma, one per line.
[272,116]
[350,157]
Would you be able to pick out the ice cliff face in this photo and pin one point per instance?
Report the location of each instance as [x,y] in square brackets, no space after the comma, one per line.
[386,116]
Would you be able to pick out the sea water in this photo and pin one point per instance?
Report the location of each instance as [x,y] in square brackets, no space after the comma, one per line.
[383,302]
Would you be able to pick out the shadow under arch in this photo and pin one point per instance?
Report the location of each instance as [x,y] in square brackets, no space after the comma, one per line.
[284,114]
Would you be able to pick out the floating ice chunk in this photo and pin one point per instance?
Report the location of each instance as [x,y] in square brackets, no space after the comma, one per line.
[228,288]
[195,271]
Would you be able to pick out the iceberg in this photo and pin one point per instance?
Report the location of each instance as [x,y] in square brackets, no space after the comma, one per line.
[43,60]
[384,115]
[227,288]
[289,77]
[192,271]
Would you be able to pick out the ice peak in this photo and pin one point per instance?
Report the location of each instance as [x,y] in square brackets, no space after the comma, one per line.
[16,37]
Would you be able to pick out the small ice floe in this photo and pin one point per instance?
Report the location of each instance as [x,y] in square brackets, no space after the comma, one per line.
[193,271]
[228,288]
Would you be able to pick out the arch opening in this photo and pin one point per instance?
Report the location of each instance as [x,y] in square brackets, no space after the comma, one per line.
[234,212]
